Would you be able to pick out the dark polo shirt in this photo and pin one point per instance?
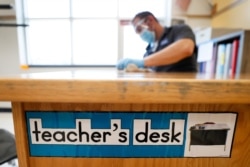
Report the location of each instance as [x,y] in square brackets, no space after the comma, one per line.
[171,35]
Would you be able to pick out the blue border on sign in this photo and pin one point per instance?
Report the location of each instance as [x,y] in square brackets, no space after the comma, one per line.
[101,120]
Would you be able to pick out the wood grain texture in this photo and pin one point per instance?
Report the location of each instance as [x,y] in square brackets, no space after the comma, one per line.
[118,107]
[20,134]
[147,88]
[240,150]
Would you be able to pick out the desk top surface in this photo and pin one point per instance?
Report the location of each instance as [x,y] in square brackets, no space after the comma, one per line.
[120,75]
[111,86]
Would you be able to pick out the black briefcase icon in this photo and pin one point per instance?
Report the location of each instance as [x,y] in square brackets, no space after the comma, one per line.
[208,133]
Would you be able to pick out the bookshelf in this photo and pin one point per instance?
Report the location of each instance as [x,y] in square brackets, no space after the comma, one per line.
[226,55]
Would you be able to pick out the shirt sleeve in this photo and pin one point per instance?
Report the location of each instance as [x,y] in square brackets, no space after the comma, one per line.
[183,31]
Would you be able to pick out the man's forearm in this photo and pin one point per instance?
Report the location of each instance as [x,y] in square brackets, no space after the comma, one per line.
[171,54]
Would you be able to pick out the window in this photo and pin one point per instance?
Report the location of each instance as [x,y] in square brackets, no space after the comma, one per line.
[95,42]
[84,32]
[49,42]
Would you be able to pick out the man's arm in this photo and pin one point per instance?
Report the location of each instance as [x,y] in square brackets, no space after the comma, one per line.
[173,53]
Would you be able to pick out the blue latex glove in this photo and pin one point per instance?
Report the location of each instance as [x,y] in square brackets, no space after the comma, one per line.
[123,63]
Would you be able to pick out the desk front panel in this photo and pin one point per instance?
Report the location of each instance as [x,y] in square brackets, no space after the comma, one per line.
[239,153]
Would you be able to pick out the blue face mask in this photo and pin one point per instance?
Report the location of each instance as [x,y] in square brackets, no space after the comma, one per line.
[147,35]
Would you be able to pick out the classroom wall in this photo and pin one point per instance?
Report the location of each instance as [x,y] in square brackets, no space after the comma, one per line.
[195,15]
[235,17]
[9,60]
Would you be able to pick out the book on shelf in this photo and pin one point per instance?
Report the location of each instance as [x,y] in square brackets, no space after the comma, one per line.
[228,57]
[235,48]
[208,66]
[220,62]
[219,58]
[214,59]
[205,55]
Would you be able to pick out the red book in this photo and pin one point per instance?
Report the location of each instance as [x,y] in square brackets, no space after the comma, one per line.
[234,57]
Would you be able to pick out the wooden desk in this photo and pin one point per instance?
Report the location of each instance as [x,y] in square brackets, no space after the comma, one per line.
[115,92]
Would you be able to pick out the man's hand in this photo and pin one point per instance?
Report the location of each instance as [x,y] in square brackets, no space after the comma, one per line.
[122,64]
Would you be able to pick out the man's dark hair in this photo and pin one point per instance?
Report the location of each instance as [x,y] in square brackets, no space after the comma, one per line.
[143,15]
